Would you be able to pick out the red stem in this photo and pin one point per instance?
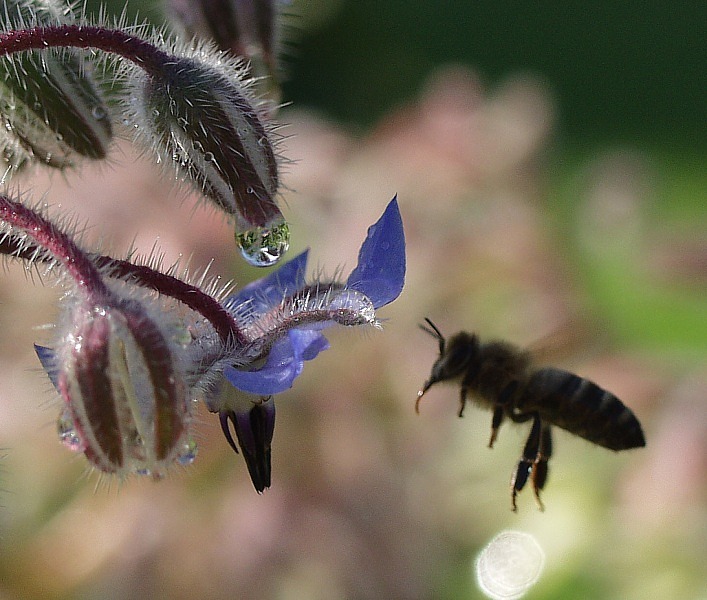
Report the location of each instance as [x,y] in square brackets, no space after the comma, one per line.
[47,236]
[191,296]
[115,41]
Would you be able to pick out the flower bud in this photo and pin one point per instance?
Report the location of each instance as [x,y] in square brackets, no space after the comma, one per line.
[48,102]
[125,394]
[246,28]
[198,118]
[218,20]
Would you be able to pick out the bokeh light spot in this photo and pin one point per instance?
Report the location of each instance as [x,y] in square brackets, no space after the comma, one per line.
[509,565]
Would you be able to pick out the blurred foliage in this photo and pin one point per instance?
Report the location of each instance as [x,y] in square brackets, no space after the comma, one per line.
[617,69]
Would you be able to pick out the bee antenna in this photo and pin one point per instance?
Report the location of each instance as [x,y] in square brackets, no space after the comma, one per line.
[435,333]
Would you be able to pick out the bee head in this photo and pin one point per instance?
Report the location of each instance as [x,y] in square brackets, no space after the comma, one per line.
[455,356]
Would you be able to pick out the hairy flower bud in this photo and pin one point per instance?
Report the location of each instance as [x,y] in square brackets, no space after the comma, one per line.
[48,102]
[125,394]
[199,118]
[246,28]
[218,20]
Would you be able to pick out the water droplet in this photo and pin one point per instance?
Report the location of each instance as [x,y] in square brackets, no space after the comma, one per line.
[198,146]
[188,453]
[99,113]
[155,112]
[264,246]
[67,432]
[143,471]
[209,156]
[183,336]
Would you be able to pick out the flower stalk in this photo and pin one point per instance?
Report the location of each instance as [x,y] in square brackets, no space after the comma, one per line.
[128,376]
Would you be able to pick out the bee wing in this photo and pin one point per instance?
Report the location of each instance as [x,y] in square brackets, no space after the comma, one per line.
[568,343]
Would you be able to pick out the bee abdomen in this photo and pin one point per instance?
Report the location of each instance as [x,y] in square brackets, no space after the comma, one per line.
[583,408]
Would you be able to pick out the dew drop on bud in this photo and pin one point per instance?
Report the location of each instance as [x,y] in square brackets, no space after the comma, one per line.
[99,113]
[67,432]
[264,246]
[509,566]
[183,336]
[188,453]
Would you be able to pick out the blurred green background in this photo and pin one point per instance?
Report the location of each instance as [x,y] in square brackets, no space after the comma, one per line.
[618,70]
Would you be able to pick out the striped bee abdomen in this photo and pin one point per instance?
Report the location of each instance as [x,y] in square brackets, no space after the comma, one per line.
[582,408]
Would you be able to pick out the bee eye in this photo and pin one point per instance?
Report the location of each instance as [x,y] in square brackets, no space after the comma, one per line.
[456,359]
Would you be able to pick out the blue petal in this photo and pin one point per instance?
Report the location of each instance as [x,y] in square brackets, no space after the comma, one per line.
[47,357]
[380,273]
[262,294]
[308,343]
[284,363]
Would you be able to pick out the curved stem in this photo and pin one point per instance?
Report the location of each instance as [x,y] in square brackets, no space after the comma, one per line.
[55,242]
[191,296]
[115,41]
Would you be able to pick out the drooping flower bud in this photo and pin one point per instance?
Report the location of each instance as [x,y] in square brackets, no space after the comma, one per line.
[246,28]
[217,20]
[197,115]
[49,104]
[125,396]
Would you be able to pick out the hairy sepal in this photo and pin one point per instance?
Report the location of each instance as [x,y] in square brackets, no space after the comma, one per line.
[50,106]
[198,116]
[124,390]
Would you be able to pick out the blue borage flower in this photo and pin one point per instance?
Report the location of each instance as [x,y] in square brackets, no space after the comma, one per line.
[289,315]
[377,279]
[258,340]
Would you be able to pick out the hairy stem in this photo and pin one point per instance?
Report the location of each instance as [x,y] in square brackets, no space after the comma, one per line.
[115,41]
[55,243]
[191,296]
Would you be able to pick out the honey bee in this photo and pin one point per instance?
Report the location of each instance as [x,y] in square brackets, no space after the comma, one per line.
[502,377]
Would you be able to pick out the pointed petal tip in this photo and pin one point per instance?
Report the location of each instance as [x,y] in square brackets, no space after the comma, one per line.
[380,272]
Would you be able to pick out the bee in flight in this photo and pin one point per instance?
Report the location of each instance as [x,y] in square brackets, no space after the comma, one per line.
[502,378]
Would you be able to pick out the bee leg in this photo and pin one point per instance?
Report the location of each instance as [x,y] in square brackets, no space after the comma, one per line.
[502,403]
[462,401]
[498,414]
[539,471]
[527,461]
